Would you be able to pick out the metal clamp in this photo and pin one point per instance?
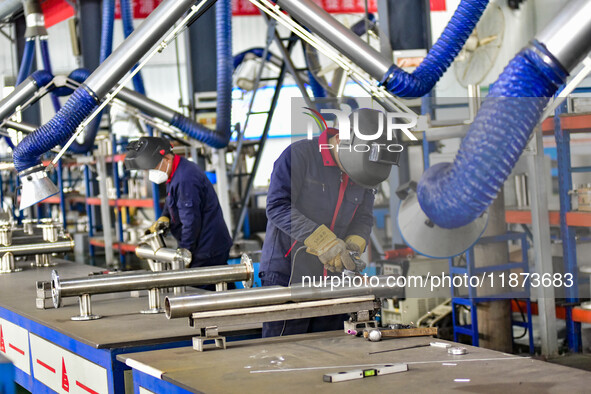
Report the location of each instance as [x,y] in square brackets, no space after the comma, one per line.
[209,334]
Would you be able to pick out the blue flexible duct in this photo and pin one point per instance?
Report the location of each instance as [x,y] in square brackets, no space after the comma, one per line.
[453,195]
[108,19]
[41,78]
[439,58]
[223,30]
[220,137]
[26,62]
[47,66]
[55,132]
[127,19]
[79,75]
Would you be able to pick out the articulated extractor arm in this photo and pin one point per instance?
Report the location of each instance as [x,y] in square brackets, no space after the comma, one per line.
[85,99]
[447,214]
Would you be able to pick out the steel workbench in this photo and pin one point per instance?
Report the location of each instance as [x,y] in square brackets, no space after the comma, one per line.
[297,364]
[51,353]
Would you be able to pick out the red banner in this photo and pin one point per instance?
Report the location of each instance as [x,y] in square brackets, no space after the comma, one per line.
[142,8]
[56,11]
[438,5]
[245,7]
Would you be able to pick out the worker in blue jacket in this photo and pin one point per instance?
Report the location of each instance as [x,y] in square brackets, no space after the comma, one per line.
[318,212]
[192,209]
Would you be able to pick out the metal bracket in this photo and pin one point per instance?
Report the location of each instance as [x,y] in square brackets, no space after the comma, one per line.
[85,309]
[209,334]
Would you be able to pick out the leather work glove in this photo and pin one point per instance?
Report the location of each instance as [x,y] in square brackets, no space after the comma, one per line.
[331,251]
[355,243]
[162,222]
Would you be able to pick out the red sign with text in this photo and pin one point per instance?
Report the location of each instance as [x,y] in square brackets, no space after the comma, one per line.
[245,7]
[143,8]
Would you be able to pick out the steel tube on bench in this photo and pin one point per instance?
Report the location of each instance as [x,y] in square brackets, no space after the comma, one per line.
[143,38]
[38,248]
[151,280]
[178,307]
[335,33]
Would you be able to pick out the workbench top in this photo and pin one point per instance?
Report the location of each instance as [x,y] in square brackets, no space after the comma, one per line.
[297,364]
[121,326]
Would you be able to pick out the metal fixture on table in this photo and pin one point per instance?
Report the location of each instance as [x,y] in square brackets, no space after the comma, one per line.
[50,230]
[7,259]
[54,241]
[84,288]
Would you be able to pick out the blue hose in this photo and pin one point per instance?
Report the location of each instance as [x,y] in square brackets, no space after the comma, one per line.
[439,58]
[47,66]
[55,132]
[41,78]
[453,195]
[225,68]
[108,18]
[26,62]
[127,19]
[220,137]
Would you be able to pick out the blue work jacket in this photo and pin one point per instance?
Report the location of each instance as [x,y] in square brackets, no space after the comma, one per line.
[196,219]
[308,189]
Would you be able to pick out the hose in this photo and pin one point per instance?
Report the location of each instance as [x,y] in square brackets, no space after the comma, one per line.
[26,62]
[127,19]
[108,19]
[79,75]
[454,194]
[47,66]
[219,137]
[440,57]
[225,68]
[55,132]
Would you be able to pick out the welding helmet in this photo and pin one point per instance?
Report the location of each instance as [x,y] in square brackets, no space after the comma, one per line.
[368,155]
[146,153]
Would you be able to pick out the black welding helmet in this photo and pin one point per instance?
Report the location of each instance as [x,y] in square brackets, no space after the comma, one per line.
[146,153]
[368,160]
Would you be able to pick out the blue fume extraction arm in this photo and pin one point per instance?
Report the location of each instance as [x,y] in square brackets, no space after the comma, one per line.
[87,97]
[447,214]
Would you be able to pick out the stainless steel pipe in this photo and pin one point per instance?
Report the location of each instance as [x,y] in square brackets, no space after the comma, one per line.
[145,105]
[38,248]
[9,7]
[151,280]
[567,35]
[166,255]
[18,96]
[185,306]
[315,18]
[143,38]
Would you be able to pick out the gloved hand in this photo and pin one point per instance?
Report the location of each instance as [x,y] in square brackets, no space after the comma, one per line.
[162,222]
[331,251]
[355,243]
